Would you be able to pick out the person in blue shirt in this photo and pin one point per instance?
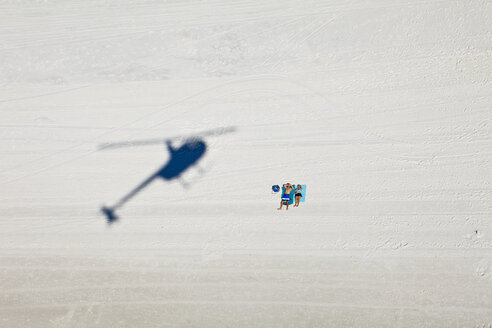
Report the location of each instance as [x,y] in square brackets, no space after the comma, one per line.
[298,195]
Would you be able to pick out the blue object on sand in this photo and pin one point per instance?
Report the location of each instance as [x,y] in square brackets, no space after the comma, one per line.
[276,188]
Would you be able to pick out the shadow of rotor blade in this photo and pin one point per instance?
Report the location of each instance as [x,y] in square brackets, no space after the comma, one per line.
[208,133]
[106,146]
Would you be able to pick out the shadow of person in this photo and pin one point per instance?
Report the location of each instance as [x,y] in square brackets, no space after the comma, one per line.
[181,159]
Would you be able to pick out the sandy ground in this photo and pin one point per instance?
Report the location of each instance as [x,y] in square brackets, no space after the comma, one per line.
[382,108]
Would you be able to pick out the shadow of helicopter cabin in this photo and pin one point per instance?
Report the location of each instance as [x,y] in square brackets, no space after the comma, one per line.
[180,160]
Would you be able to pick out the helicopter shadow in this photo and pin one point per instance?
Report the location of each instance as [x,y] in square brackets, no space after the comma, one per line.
[181,159]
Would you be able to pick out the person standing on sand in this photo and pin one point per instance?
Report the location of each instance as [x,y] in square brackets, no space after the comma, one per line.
[286,196]
[298,194]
